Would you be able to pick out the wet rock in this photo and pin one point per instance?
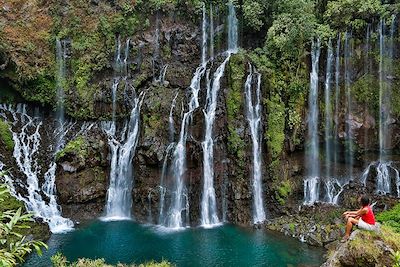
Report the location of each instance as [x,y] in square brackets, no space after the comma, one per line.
[82,176]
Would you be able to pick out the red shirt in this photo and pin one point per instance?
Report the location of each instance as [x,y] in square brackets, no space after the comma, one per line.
[369,216]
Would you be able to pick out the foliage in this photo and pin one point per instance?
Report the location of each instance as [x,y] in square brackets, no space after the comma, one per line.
[6,135]
[275,134]
[366,90]
[235,109]
[253,12]
[77,147]
[13,245]
[391,218]
[354,14]
[59,260]
[282,191]
[25,38]
[41,89]
[396,258]
[367,246]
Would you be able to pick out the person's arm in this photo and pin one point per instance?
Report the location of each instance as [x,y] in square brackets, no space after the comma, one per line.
[353,213]
[361,212]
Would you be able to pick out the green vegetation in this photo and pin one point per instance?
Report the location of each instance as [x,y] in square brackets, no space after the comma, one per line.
[77,147]
[391,218]
[283,190]
[235,109]
[366,90]
[368,250]
[59,260]
[6,135]
[14,244]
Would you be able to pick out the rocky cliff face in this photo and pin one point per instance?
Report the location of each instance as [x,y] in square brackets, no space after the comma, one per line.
[165,41]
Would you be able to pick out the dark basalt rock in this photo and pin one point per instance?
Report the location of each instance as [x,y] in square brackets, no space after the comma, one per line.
[82,179]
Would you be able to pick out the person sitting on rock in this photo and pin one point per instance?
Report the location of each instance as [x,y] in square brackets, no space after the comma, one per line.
[364,218]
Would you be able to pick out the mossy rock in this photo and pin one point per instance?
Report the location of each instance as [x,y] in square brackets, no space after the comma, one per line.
[10,203]
[6,135]
[77,147]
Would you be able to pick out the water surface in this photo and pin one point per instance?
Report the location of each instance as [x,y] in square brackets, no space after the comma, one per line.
[128,242]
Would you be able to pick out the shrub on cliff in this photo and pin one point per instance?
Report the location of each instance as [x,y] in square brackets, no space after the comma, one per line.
[13,244]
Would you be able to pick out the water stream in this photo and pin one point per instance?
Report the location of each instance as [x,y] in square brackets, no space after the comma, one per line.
[254,118]
[39,198]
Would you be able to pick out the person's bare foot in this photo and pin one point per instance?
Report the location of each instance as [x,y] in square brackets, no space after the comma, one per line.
[344,239]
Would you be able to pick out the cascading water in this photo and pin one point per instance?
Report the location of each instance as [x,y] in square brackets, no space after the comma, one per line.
[119,193]
[254,118]
[163,187]
[179,202]
[232,29]
[311,191]
[27,146]
[61,56]
[333,190]
[328,110]
[386,172]
[209,216]
[337,104]
[211,32]
[348,52]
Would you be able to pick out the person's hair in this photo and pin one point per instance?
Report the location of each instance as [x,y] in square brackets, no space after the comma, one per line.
[364,200]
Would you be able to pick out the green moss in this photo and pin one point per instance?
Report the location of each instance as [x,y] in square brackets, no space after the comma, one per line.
[367,251]
[153,123]
[234,106]
[6,135]
[366,90]
[275,132]
[77,147]
[282,191]
[10,203]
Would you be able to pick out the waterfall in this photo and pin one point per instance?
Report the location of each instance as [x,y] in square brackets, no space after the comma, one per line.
[209,215]
[348,76]
[385,71]
[180,200]
[27,146]
[211,32]
[333,190]
[171,120]
[254,118]
[232,29]
[61,56]
[337,103]
[311,191]
[163,187]
[385,170]
[328,110]
[119,193]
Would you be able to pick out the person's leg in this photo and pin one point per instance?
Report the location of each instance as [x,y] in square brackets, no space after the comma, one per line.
[349,226]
